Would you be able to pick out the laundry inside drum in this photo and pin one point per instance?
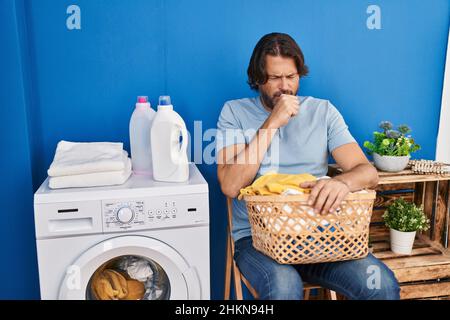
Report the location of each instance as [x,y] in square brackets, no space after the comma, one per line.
[129,277]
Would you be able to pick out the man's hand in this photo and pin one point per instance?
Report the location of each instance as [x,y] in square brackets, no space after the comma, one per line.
[286,107]
[326,194]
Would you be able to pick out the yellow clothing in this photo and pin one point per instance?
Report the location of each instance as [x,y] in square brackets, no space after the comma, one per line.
[276,183]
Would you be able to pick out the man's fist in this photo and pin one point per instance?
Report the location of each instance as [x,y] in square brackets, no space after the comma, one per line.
[287,107]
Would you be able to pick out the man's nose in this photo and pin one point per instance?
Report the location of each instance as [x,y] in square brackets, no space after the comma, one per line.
[284,84]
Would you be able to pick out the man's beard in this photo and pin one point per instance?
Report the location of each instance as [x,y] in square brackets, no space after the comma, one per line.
[270,101]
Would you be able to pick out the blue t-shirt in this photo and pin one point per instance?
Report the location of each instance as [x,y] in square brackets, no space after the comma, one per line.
[302,146]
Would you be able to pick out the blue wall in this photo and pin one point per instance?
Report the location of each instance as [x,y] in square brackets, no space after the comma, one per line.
[17,243]
[81,85]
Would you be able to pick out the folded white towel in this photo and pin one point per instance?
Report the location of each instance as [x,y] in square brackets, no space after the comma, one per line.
[92,179]
[73,158]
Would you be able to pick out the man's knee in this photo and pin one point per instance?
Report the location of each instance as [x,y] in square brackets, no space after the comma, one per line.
[371,279]
[282,283]
[387,288]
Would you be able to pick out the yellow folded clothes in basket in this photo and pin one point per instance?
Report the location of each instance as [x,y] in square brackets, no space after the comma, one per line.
[277,183]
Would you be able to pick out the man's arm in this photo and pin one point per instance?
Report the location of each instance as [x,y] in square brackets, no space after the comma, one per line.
[239,164]
[326,195]
[358,172]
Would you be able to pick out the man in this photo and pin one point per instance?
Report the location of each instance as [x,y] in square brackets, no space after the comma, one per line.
[293,134]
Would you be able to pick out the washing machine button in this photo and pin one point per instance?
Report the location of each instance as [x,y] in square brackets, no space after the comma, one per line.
[125,215]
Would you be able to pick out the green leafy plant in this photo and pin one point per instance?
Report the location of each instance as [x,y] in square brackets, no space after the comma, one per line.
[405,216]
[391,142]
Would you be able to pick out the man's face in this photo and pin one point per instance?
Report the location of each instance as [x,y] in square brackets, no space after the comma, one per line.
[282,78]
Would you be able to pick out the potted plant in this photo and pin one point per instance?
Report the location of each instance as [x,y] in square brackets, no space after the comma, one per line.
[404,219]
[391,149]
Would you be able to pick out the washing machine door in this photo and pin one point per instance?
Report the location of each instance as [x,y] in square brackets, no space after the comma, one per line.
[169,276]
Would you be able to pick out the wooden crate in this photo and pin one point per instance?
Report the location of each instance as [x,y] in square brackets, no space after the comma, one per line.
[425,274]
[433,195]
[431,191]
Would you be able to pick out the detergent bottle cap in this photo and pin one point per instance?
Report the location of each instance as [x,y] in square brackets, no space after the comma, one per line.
[142,102]
[142,99]
[164,103]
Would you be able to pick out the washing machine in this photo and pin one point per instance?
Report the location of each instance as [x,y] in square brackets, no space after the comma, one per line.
[152,232]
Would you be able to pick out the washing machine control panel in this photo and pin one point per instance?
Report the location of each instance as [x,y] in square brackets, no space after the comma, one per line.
[155,212]
[123,215]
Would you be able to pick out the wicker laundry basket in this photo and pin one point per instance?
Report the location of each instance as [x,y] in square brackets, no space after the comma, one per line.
[286,228]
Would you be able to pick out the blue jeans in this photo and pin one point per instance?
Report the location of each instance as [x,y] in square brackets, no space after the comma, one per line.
[363,279]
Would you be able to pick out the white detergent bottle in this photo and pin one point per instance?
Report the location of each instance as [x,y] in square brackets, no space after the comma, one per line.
[170,162]
[140,144]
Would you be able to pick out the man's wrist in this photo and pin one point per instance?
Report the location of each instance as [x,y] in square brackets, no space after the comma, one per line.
[344,181]
[269,124]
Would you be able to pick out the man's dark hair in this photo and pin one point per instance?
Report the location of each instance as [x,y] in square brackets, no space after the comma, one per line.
[275,44]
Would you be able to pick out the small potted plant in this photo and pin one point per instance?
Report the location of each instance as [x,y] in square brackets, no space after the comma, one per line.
[391,149]
[404,219]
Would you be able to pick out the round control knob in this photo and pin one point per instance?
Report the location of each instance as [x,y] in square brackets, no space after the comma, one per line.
[125,215]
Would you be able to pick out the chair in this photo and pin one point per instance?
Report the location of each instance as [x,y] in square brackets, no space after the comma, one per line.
[231,268]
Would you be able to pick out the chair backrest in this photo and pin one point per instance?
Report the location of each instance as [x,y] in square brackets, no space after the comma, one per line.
[231,266]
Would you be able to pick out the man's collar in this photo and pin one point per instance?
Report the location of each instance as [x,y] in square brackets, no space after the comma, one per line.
[260,105]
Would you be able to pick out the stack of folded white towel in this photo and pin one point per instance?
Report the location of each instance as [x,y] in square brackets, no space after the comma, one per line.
[89,164]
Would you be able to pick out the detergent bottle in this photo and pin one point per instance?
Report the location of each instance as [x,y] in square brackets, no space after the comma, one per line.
[169,154]
[140,144]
